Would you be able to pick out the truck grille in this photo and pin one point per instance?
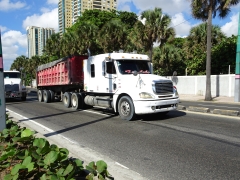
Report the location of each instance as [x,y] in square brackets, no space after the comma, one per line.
[14,87]
[164,87]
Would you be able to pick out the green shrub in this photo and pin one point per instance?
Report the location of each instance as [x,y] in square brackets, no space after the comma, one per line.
[23,156]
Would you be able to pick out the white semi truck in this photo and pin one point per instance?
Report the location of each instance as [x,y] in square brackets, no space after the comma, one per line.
[14,87]
[123,82]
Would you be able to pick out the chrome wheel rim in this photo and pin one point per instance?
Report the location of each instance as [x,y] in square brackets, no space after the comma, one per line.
[125,108]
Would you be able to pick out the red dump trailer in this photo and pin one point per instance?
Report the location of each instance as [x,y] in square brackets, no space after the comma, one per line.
[57,77]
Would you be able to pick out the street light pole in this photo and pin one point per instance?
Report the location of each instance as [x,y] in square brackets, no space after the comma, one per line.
[237,73]
[2,92]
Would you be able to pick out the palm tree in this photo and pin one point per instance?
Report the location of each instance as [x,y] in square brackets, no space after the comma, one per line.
[52,47]
[206,10]
[196,44]
[157,28]
[112,36]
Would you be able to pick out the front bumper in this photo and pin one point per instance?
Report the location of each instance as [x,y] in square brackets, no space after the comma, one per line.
[155,106]
[14,94]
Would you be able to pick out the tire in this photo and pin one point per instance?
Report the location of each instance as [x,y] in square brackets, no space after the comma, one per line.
[75,101]
[52,96]
[126,108]
[40,95]
[46,96]
[67,99]
[24,97]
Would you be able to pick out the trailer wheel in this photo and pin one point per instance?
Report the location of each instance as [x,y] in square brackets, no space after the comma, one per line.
[24,97]
[46,96]
[52,96]
[67,99]
[76,101]
[126,108]
[40,95]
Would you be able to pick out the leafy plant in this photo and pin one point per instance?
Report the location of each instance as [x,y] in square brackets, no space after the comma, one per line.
[23,156]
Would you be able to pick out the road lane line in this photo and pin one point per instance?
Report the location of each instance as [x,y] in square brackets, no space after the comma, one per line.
[121,165]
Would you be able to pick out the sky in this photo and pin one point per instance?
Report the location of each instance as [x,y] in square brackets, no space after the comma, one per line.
[17,15]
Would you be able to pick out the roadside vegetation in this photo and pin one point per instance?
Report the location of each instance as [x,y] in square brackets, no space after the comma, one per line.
[23,156]
[107,31]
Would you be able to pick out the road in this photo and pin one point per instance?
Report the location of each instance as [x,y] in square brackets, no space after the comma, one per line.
[180,145]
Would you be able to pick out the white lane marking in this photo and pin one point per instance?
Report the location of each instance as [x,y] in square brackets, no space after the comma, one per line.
[121,165]
[210,114]
[96,113]
[219,106]
[42,126]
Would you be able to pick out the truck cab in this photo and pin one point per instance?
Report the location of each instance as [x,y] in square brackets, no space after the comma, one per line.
[126,81]
[14,87]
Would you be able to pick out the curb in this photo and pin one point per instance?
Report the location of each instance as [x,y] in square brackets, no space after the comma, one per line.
[199,109]
[226,112]
[180,107]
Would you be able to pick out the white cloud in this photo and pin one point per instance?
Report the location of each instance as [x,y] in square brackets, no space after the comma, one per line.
[126,8]
[52,1]
[182,27]
[7,5]
[47,20]
[170,7]
[12,42]
[3,28]
[45,10]
[231,27]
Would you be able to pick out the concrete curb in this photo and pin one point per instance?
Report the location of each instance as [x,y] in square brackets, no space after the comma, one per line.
[198,109]
[180,107]
[226,112]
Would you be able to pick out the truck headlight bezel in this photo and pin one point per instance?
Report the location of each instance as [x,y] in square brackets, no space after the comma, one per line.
[145,95]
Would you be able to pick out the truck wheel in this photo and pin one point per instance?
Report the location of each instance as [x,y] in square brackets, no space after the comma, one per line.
[76,101]
[67,99]
[46,96]
[24,97]
[52,96]
[40,95]
[126,108]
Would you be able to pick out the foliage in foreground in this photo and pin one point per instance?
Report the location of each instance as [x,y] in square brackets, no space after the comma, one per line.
[23,156]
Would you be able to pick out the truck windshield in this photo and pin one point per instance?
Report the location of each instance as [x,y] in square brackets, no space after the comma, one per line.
[12,75]
[128,66]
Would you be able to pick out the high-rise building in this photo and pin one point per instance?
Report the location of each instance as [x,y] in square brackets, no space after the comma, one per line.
[37,38]
[70,10]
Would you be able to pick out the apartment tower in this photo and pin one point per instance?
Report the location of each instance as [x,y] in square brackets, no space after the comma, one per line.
[37,38]
[70,10]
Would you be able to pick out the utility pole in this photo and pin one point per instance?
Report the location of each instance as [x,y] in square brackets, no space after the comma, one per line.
[237,73]
[2,92]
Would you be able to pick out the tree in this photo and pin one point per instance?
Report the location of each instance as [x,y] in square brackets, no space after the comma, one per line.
[223,55]
[195,47]
[157,28]
[52,47]
[206,10]
[112,36]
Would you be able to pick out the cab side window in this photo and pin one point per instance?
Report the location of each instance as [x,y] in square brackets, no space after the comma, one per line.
[92,70]
[110,68]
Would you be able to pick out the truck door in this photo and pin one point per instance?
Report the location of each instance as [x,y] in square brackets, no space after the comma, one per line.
[110,76]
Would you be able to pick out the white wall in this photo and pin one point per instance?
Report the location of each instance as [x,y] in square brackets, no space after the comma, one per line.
[221,85]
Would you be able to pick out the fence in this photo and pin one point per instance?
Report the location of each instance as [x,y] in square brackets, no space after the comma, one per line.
[221,85]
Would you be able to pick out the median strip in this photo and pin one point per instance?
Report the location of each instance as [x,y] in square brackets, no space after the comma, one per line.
[199,109]
[226,112]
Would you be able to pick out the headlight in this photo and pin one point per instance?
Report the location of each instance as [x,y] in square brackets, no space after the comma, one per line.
[145,95]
